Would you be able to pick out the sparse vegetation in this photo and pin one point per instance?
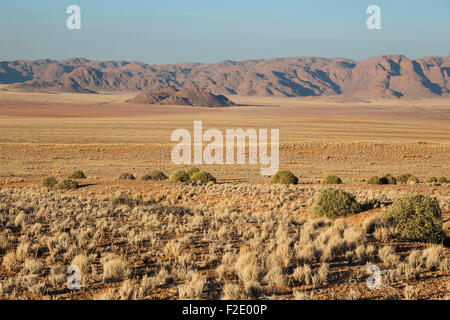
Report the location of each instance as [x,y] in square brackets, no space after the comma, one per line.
[412,180]
[284,177]
[127,176]
[193,170]
[49,182]
[111,241]
[155,176]
[432,180]
[332,180]
[442,180]
[333,203]
[67,184]
[241,239]
[416,217]
[403,178]
[77,175]
[202,177]
[389,179]
[115,269]
[180,176]
[377,180]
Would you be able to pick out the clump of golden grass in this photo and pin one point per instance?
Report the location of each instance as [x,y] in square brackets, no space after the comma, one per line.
[115,269]
[192,288]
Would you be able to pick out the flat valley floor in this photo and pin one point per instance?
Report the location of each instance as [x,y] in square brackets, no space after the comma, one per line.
[44,134]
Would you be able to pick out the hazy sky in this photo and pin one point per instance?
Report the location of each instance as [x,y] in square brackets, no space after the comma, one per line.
[170,31]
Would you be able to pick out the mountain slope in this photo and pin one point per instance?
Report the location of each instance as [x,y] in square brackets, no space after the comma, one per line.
[384,76]
[183,97]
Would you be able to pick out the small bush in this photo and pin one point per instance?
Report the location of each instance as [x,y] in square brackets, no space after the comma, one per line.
[155,176]
[127,176]
[332,180]
[375,180]
[403,178]
[193,170]
[49,182]
[334,203]
[432,180]
[77,175]
[390,179]
[416,217]
[442,180]
[284,177]
[202,177]
[67,184]
[412,180]
[180,176]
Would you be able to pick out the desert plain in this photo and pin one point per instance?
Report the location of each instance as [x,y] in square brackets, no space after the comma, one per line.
[239,238]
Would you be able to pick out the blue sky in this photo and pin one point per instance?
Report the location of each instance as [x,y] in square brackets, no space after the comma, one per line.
[172,31]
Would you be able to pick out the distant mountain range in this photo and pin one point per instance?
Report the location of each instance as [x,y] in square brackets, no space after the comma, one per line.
[386,76]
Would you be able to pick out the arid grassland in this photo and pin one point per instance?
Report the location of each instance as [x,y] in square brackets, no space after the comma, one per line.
[159,246]
[241,237]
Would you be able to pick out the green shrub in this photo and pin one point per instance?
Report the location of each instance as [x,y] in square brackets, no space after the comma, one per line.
[155,176]
[382,180]
[412,180]
[284,177]
[67,184]
[192,170]
[390,179]
[432,180]
[77,175]
[332,180]
[334,203]
[416,217]
[202,177]
[180,176]
[49,182]
[442,180]
[374,180]
[403,178]
[127,176]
